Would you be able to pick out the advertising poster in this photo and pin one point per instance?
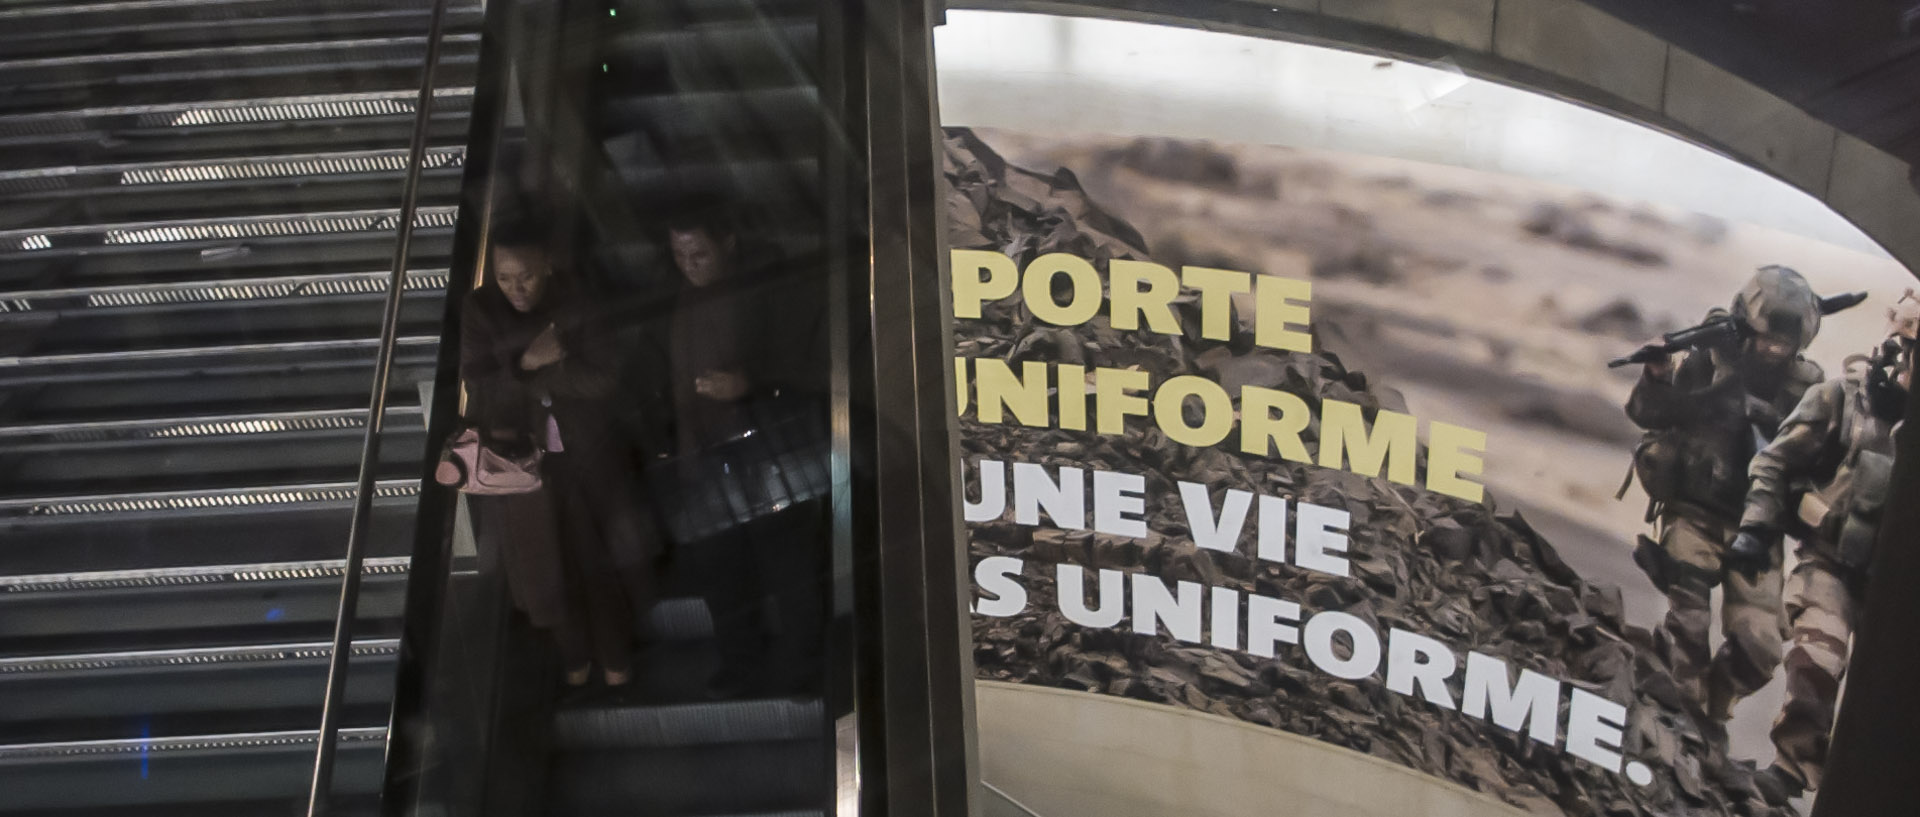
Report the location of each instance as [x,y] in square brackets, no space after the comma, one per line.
[1331,444]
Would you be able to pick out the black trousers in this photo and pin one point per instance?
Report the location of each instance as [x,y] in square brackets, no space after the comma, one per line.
[558,549]
[765,588]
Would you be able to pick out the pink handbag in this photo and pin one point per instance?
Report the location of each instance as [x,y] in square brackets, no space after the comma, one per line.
[471,466]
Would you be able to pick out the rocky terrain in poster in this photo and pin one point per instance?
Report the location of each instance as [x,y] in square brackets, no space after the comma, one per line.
[1480,576]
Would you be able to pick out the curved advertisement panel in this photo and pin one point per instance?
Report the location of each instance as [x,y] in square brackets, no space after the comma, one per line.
[1562,500]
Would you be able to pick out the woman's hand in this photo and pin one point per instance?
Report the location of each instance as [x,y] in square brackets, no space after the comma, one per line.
[723,386]
[544,351]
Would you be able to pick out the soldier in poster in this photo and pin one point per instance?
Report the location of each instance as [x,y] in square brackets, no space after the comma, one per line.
[1837,446]
[1705,415]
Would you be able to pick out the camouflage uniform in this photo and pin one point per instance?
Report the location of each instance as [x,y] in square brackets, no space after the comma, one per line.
[1837,446]
[1702,420]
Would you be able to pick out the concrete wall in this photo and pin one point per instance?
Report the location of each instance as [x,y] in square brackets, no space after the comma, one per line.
[1568,49]
[1077,754]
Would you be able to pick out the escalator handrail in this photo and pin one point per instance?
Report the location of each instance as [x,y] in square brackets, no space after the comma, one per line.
[319,795]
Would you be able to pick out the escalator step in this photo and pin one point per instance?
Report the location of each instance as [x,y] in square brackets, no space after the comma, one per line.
[158,693]
[688,724]
[206,769]
[202,606]
[707,779]
[682,619]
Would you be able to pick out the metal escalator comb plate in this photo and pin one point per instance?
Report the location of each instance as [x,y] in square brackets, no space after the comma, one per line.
[184,576]
[144,746]
[192,656]
[200,500]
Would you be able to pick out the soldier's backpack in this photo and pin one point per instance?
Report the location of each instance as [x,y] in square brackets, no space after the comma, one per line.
[1860,509]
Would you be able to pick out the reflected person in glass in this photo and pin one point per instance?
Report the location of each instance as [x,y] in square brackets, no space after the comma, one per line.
[746,355]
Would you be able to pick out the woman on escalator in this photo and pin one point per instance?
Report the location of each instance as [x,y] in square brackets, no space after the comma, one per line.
[539,370]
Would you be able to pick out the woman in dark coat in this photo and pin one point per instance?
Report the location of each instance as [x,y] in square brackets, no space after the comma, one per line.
[539,369]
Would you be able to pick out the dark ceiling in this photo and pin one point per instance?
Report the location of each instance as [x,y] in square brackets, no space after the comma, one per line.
[1854,64]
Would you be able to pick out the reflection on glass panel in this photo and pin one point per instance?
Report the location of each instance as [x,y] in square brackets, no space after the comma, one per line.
[642,453]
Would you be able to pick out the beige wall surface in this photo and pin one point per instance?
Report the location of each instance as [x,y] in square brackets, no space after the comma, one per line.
[1076,754]
[1109,76]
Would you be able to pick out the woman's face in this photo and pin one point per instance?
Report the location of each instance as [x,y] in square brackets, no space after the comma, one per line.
[522,276]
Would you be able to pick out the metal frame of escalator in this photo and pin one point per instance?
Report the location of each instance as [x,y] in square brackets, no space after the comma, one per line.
[912,697]
[904,672]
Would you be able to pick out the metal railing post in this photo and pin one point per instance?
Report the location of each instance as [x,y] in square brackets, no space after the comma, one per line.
[318,797]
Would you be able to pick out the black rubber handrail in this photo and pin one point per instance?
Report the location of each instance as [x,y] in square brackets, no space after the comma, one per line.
[320,794]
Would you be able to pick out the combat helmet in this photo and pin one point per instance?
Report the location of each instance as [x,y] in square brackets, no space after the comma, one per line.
[1779,301]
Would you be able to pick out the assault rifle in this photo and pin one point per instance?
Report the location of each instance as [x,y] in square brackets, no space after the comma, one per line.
[1714,331]
[1717,330]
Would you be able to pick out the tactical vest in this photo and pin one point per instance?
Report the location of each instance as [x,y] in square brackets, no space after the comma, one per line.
[1845,510]
[1704,464]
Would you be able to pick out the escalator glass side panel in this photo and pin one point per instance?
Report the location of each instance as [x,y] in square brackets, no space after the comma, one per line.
[667,307]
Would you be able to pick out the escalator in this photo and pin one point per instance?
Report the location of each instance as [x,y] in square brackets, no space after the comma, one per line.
[198,207]
[675,106]
[703,101]
[197,210]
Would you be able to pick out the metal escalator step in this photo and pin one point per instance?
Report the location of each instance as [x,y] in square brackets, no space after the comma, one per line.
[97,33]
[803,813]
[764,182]
[54,17]
[689,116]
[680,725]
[376,70]
[174,428]
[701,779]
[162,115]
[346,316]
[205,769]
[147,693]
[237,56]
[790,813]
[191,607]
[187,660]
[303,528]
[356,180]
[683,619]
[720,56]
[16,509]
[231,290]
[448,123]
[89,237]
[184,326]
[320,254]
[674,671]
[204,452]
[104,365]
[107,177]
[238,383]
[715,11]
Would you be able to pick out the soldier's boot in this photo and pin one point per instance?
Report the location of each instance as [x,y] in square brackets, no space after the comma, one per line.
[1777,786]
